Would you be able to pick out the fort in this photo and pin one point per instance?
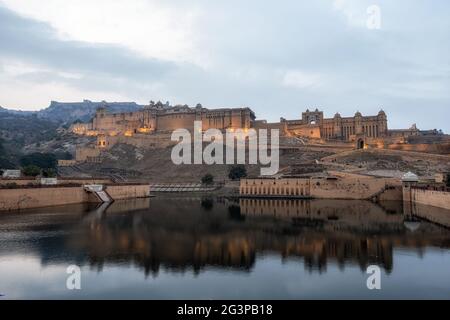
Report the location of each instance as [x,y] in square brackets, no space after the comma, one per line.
[151,127]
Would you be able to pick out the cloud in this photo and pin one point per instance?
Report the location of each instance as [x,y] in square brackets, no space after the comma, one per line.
[301,80]
[36,43]
[277,59]
[152,28]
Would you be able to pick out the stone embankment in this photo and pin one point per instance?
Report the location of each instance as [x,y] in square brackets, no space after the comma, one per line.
[183,187]
[29,198]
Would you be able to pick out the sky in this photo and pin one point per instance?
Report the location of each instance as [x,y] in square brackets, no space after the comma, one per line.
[277,57]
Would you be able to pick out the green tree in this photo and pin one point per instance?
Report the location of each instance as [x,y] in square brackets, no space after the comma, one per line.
[41,160]
[208,179]
[5,162]
[237,172]
[31,170]
[49,173]
[64,155]
[2,148]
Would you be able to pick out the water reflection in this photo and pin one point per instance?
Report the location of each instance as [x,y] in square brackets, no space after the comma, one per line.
[182,234]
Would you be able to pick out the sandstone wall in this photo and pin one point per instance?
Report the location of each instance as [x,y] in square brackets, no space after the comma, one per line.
[347,188]
[27,198]
[439,199]
[341,186]
[27,181]
[438,148]
[392,194]
[84,153]
[118,192]
[16,199]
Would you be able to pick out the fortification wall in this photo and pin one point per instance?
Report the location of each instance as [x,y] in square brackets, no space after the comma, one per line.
[63,181]
[86,153]
[28,198]
[170,122]
[438,148]
[16,199]
[118,192]
[346,188]
[342,186]
[433,198]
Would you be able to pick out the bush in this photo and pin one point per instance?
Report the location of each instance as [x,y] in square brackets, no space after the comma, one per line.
[208,179]
[49,173]
[237,172]
[31,170]
[41,160]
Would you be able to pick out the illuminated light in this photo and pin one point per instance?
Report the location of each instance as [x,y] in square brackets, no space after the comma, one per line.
[144,130]
[128,133]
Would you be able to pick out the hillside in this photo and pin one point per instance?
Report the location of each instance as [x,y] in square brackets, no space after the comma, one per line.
[23,132]
[68,112]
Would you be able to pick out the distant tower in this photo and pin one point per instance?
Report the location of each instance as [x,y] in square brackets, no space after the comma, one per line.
[99,114]
[358,123]
[337,126]
[382,124]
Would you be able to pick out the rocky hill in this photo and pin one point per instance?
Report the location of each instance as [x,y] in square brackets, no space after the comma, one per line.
[68,112]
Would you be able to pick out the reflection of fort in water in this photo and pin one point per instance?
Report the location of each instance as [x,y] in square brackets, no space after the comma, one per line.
[181,234]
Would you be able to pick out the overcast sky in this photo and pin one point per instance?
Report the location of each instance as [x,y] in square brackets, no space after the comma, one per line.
[276,57]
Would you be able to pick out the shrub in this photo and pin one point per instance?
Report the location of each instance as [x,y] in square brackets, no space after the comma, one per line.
[237,172]
[208,179]
[49,173]
[42,160]
[11,185]
[31,170]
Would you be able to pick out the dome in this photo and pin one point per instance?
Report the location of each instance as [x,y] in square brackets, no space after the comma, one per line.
[358,114]
[410,177]
[337,115]
[411,225]
[381,113]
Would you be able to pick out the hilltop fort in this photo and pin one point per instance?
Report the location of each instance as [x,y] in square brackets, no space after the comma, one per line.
[151,126]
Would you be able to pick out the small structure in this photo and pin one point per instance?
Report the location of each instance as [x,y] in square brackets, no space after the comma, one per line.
[409,180]
[49,181]
[442,177]
[66,163]
[99,191]
[410,177]
[11,173]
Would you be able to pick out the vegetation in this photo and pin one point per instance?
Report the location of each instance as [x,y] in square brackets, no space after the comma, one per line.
[41,160]
[63,155]
[208,179]
[49,173]
[5,163]
[237,172]
[11,185]
[31,170]
[21,130]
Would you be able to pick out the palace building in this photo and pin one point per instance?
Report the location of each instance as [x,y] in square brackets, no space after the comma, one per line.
[152,125]
[160,119]
[314,125]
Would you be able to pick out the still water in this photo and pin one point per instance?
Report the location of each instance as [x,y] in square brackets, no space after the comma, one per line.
[211,248]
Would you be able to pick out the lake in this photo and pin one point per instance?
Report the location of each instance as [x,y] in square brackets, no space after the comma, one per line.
[199,247]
